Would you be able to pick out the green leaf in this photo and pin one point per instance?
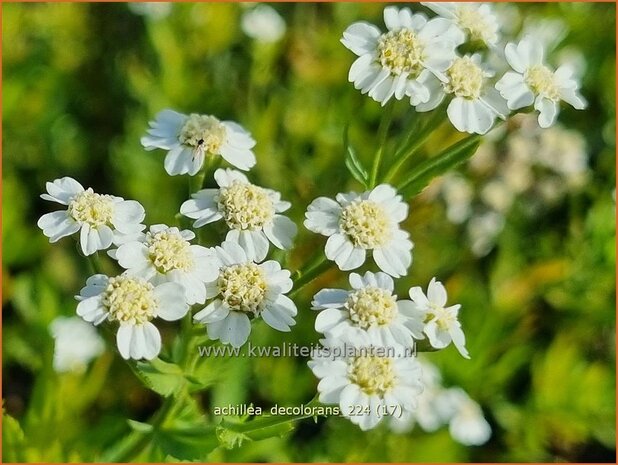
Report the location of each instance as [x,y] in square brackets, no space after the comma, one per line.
[352,162]
[13,443]
[140,427]
[162,377]
[187,443]
[438,165]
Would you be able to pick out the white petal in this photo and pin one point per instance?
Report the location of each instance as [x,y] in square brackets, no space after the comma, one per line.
[213,312]
[178,160]
[92,310]
[132,255]
[329,298]
[360,38]
[418,297]
[152,341]
[391,18]
[281,232]
[127,216]
[327,319]
[231,253]
[436,293]
[57,225]
[171,302]
[243,159]
[225,177]
[62,190]
[548,111]
[123,340]
[514,59]
[393,259]
[323,216]
[236,329]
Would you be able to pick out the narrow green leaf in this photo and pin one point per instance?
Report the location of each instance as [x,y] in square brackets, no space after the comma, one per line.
[353,163]
[438,165]
[140,427]
[162,377]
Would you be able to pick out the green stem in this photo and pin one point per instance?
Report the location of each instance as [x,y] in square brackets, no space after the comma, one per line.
[95,263]
[309,272]
[385,123]
[404,154]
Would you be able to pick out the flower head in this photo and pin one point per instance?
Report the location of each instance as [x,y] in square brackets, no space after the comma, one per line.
[356,223]
[263,24]
[393,63]
[441,323]
[76,343]
[474,103]
[467,424]
[133,302]
[477,20]
[190,138]
[367,384]
[164,254]
[369,312]
[101,219]
[531,81]
[244,290]
[251,213]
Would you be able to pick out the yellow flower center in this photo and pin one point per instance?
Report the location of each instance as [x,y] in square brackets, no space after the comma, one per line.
[371,306]
[540,79]
[465,79]
[93,209]
[401,52]
[474,23]
[443,317]
[365,223]
[169,251]
[243,287]
[374,375]
[129,300]
[204,132]
[245,206]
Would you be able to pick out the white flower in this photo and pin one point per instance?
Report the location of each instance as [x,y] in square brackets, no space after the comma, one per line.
[243,290]
[477,20]
[133,302]
[367,385]
[151,10]
[356,223]
[474,103]
[251,212]
[534,82]
[189,139]
[101,219]
[164,254]
[394,63]
[76,343]
[441,323]
[369,312]
[467,424]
[263,24]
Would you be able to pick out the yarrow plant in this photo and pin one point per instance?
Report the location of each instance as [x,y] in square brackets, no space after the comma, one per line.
[214,269]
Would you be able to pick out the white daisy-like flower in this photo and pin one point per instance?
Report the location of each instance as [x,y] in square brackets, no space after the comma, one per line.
[190,138]
[534,82]
[467,424]
[244,290]
[477,20]
[164,254]
[263,24]
[252,213]
[369,312]
[356,223]
[133,302]
[441,323]
[76,343]
[474,104]
[367,385]
[393,63]
[101,219]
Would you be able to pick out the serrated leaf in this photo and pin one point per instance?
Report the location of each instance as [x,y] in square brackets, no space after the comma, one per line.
[230,439]
[162,377]
[438,165]
[13,442]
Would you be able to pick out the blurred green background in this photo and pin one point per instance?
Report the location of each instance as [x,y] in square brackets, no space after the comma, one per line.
[80,82]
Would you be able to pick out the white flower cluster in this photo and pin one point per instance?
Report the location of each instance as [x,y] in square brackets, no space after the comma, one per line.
[438,406]
[380,377]
[418,58]
[164,272]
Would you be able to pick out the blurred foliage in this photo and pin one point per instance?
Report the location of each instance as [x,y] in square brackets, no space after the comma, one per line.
[80,83]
